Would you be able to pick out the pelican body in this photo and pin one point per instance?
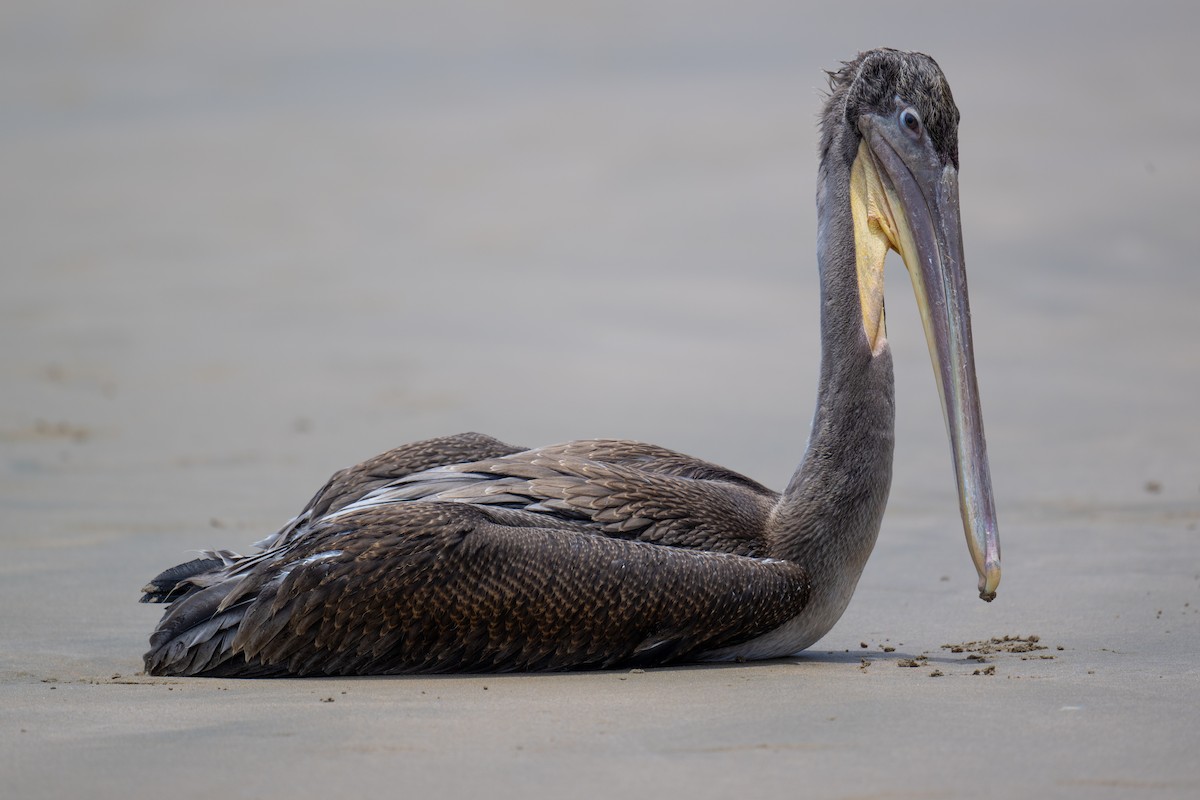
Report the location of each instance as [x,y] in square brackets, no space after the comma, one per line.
[467,554]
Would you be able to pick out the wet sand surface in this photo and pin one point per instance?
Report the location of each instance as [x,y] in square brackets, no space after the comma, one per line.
[246,247]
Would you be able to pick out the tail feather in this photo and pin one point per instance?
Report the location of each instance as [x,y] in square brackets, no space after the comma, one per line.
[193,637]
[173,583]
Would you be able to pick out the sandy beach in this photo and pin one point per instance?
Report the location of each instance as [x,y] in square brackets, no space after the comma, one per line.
[248,244]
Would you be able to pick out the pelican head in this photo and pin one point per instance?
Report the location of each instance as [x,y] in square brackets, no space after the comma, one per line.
[904,197]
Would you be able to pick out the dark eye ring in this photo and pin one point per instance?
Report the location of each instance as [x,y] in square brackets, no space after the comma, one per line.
[910,120]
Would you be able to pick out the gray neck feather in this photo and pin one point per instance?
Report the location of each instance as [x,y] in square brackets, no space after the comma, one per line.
[828,518]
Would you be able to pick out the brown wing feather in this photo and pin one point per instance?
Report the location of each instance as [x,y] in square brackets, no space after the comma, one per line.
[624,489]
[590,553]
[349,484]
[431,587]
[343,487]
[651,458]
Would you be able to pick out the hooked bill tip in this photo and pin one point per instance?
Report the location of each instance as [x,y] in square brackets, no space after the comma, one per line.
[989,582]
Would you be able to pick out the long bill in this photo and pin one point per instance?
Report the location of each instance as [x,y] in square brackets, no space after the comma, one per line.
[915,210]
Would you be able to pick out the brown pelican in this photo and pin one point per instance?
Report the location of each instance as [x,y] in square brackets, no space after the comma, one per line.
[467,554]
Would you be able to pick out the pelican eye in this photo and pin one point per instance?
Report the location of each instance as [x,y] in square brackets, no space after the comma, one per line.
[911,120]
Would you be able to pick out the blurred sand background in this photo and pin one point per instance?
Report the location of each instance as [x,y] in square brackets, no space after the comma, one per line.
[245,244]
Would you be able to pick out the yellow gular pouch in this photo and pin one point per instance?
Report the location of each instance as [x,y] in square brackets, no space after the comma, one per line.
[875,232]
